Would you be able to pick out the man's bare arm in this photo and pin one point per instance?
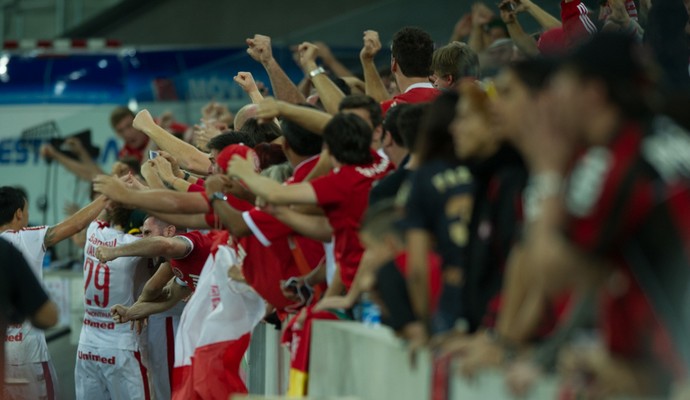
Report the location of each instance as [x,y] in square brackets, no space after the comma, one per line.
[329,93]
[190,221]
[188,156]
[159,200]
[158,246]
[283,88]
[153,288]
[84,171]
[309,118]
[143,309]
[314,227]
[74,223]
[373,84]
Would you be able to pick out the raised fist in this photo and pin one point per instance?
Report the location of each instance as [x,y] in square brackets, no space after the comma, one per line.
[260,48]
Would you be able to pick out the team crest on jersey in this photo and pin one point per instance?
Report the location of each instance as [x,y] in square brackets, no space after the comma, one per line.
[586,182]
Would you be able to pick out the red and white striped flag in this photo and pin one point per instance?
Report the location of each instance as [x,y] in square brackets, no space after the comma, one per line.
[214,332]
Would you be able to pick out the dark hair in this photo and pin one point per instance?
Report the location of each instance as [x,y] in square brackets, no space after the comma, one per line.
[409,121]
[618,62]
[302,141]
[132,163]
[11,200]
[267,132]
[366,102]
[412,50]
[269,154]
[534,73]
[348,138]
[118,114]
[435,140]
[121,216]
[227,138]
[456,59]
[390,123]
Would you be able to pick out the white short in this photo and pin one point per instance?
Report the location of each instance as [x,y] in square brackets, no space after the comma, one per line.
[30,381]
[161,353]
[110,374]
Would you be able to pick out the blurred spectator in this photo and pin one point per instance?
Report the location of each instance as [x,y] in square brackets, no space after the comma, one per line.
[601,98]
[21,297]
[437,212]
[453,62]
[136,141]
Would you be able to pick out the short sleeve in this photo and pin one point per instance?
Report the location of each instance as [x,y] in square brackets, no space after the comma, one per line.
[265,227]
[332,188]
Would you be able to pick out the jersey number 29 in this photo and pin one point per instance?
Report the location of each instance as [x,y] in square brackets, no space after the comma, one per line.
[99,274]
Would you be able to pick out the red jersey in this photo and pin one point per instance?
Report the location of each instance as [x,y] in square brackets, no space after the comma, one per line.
[417,93]
[280,263]
[344,194]
[629,204]
[188,268]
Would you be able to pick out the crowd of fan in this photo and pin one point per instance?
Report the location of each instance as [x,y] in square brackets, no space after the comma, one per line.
[512,200]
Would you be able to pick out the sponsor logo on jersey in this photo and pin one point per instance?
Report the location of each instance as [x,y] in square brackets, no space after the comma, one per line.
[95,357]
[97,242]
[15,338]
[101,314]
[99,325]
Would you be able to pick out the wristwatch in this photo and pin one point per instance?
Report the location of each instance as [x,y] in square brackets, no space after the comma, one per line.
[316,71]
[217,196]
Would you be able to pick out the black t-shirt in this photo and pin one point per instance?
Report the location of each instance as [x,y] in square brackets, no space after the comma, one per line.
[494,228]
[440,202]
[21,295]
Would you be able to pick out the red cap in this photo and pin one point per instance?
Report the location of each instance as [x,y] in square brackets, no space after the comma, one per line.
[241,150]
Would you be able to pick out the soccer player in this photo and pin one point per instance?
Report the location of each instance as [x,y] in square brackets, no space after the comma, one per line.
[28,356]
[109,361]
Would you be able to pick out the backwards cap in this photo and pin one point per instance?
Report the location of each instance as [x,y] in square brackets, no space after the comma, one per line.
[241,150]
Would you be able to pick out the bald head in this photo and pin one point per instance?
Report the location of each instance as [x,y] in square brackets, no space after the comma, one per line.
[246,112]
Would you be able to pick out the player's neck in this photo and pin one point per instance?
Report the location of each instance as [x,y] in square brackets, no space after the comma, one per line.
[405,82]
[10,226]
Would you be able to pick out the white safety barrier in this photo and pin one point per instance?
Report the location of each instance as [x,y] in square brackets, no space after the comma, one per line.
[352,361]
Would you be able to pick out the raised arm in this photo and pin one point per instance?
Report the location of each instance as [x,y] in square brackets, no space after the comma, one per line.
[82,170]
[546,20]
[332,62]
[268,189]
[246,81]
[187,155]
[75,222]
[329,93]
[522,40]
[283,88]
[160,200]
[157,246]
[373,84]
